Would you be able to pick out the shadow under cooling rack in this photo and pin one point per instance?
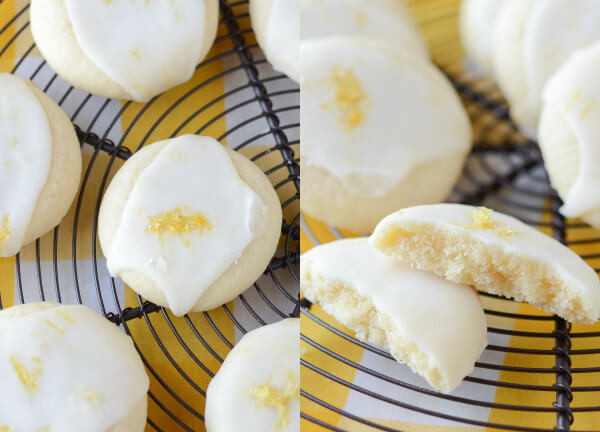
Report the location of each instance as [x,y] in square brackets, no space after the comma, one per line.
[537,373]
[235,97]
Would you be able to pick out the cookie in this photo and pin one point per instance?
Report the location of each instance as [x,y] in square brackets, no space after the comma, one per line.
[495,253]
[61,366]
[532,39]
[260,378]
[387,303]
[276,25]
[189,224]
[40,159]
[385,21]
[368,145]
[569,134]
[124,49]
[477,20]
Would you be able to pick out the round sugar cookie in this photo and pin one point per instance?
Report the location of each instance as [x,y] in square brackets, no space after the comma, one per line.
[260,378]
[569,134]
[493,252]
[477,19]
[532,39]
[40,159]
[189,224]
[61,365]
[388,303]
[124,49]
[276,25]
[368,145]
[387,21]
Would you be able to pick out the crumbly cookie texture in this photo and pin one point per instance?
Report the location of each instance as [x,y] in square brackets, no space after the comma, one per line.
[495,253]
[377,298]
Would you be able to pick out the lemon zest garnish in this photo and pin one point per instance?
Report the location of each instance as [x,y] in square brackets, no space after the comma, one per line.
[175,222]
[27,378]
[571,103]
[90,397]
[54,326]
[44,429]
[268,396]
[588,108]
[6,429]
[348,97]
[4,231]
[482,220]
[136,52]
[64,315]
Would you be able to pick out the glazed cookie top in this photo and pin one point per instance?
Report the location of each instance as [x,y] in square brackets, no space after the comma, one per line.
[553,30]
[260,378]
[477,21]
[412,299]
[283,36]
[25,158]
[575,92]
[61,365]
[495,229]
[188,219]
[369,113]
[151,46]
[384,20]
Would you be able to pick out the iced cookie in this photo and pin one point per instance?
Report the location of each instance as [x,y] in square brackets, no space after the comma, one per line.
[532,39]
[61,366]
[569,134]
[368,145]
[276,24]
[477,20]
[260,378]
[124,49]
[40,164]
[386,21]
[389,304]
[189,224]
[493,252]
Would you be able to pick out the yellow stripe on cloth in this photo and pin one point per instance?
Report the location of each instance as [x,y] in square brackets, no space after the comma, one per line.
[7,62]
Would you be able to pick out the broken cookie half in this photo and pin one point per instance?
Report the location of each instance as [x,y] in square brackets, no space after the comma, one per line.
[436,327]
[495,253]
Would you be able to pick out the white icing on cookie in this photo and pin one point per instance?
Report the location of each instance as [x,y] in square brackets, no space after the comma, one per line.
[367,113]
[552,31]
[413,300]
[574,91]
[188,219]
[385,21]
[25,157]
[477,22]
[260,378]
[61,367]
[506,232]
[283,37]
[152,45]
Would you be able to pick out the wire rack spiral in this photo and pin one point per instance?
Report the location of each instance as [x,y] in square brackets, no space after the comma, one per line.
[538,373]
[234,96]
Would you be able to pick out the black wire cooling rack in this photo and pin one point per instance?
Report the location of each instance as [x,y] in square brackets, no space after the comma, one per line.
[260,109]
[550,370]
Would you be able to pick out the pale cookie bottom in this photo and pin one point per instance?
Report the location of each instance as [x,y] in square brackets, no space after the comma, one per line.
[462,259]
[64,175]
[54,36]
[328,198]
[135,421]
[561,156]
[359,314]
[240,275]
